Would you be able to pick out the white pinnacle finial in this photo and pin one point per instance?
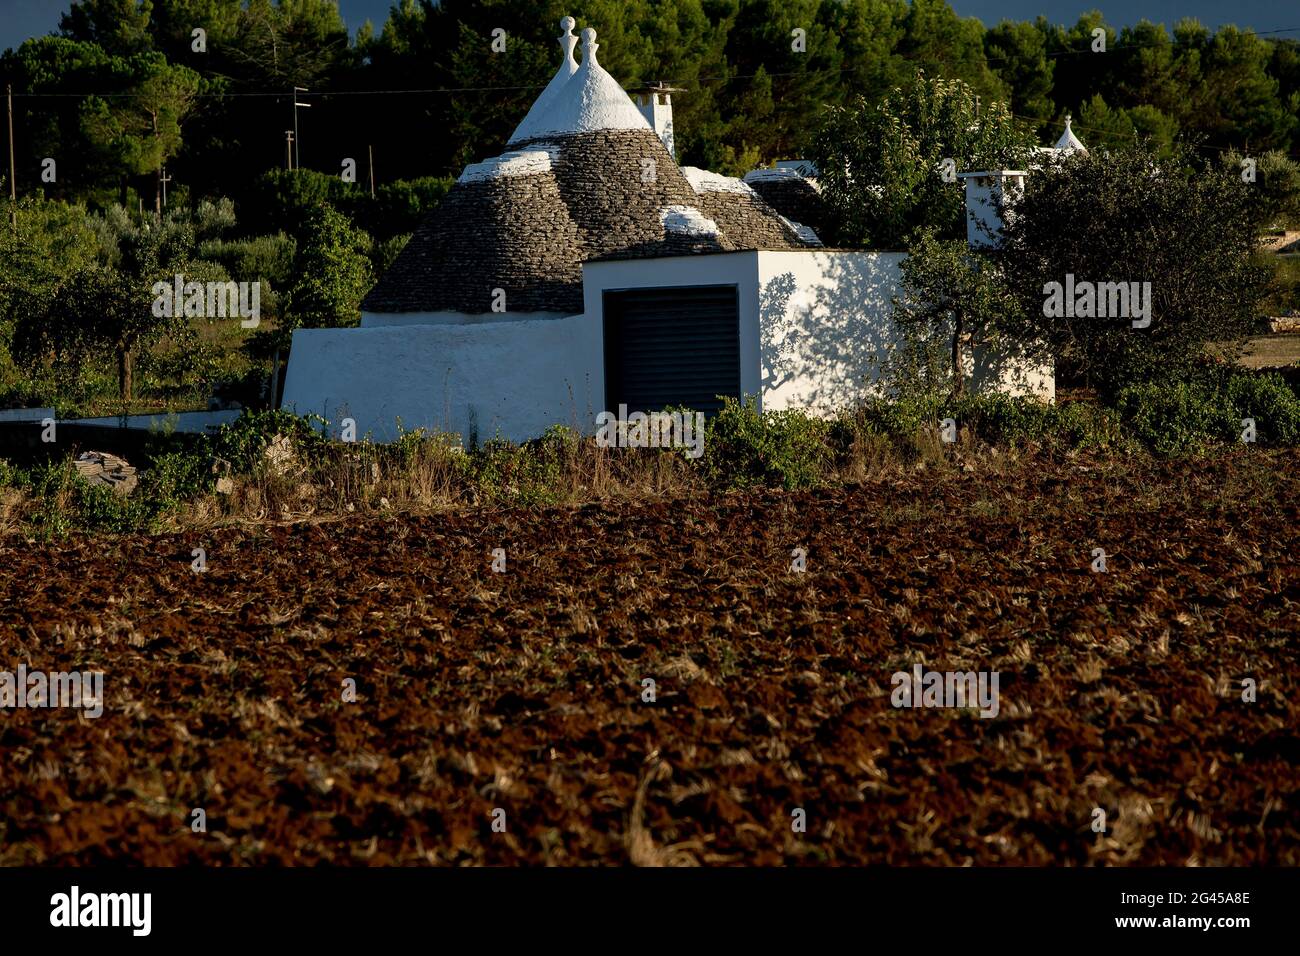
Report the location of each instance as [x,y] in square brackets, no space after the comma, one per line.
[589,46]
[568,42]
[1067,122]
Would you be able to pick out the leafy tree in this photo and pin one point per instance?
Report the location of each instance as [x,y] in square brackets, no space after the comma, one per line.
[939,42]
[1237,102]
[870,35]
[952,295]
[52,240]
[882,167]
[778,79]
[1078,74]
[288,44]
[1104,127]
[141,129]
[107,306]
[1133,216]
[47,122]
[1017,54]
[1276,187]
[332,273]
[119,27]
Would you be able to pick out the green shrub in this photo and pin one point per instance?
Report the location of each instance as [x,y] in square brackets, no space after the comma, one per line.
[746,448]
[523,474]
[1183,416]
[1004,419]
[288,197]
[176,477]
[66,502]
[995,419]
[248,260]
[244,441]
[1268,400]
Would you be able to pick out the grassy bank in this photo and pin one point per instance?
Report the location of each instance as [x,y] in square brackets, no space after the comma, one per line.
[274,466]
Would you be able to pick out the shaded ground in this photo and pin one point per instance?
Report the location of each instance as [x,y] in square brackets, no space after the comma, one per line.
[523,690]
[1271,351]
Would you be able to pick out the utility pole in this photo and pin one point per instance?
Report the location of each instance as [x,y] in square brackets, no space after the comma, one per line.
[297,159]
[165,179]
[288,149]
[371,150]
[13,184]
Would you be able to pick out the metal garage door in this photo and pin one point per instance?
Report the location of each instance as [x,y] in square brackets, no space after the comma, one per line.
[672,346]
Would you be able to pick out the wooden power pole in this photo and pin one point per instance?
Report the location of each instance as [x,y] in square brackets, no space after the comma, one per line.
[13,183]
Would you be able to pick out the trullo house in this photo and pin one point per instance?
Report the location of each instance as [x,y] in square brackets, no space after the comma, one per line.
[583,269]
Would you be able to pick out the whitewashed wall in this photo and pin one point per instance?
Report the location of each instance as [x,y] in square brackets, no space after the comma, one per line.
[813,326]
[825,323]
[823,319]
[502,379]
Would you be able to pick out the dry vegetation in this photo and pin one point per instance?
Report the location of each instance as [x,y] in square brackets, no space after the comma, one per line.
[523,690]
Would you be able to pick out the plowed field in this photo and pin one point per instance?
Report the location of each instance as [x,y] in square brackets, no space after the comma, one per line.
[523,691]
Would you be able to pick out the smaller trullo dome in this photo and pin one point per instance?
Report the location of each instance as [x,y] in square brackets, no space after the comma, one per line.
[568,67]
[589,100]
[1069,142]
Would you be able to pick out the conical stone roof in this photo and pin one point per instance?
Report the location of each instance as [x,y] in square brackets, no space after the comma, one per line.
[584,177]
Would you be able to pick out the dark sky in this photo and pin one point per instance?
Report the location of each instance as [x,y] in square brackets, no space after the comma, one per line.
[20,19]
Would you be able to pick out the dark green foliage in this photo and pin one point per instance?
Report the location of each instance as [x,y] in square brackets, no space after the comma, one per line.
[1181,416]
[993,419]
[745,448]
[243,442]
[288,198]
[1133,216]
[267,258]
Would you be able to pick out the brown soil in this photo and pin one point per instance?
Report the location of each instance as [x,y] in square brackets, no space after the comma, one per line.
[523,690]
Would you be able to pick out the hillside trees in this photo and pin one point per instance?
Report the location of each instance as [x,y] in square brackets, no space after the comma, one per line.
[106,306]
[140,128]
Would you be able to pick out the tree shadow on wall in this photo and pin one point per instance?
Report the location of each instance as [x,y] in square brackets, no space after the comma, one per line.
[822,340]
[825,338]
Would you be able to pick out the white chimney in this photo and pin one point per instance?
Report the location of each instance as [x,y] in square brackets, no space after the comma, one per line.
[655,101]
[986,191]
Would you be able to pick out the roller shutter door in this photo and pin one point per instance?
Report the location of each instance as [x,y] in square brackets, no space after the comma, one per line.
[672,347]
